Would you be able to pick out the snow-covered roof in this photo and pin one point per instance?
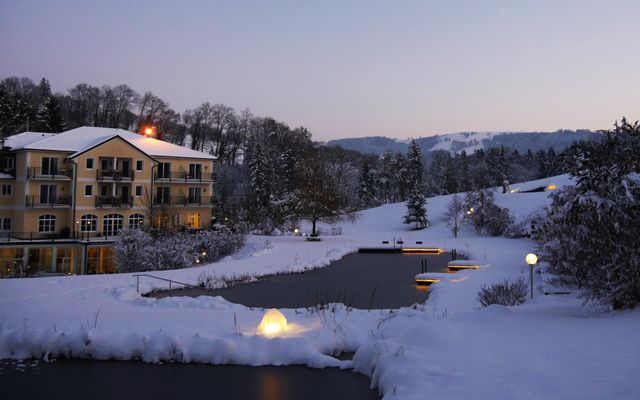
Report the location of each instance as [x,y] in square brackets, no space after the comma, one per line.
[82,139]
[17,142]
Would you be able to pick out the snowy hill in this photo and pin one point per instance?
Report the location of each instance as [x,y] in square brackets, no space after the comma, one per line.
[470,141]
[552,346]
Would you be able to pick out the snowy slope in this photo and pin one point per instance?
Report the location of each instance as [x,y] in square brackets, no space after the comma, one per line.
[469,141]
[448,348]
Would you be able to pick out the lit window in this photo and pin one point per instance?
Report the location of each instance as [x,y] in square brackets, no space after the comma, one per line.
[194,220]
[136,221]
[47,223]
[88,223]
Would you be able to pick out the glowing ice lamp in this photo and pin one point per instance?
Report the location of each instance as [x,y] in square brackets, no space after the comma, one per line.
[551,187]
[273,323]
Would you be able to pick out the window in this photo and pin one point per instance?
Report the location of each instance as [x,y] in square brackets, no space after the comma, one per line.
[162,195]
[49,166]
[138,190]
[89,163]
[88,190]
[7,190]
[194,220]
[88,223]
[104,190]
[195,171]
[194,195]
[136,221]
[6,224]
[139,165]
[47,194]
[112,224]
[164,170]
[47,223]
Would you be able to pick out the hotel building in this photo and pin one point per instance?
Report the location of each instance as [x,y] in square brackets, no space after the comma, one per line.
[64,197]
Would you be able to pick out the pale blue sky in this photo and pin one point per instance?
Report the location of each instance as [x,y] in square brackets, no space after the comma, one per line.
[347,68]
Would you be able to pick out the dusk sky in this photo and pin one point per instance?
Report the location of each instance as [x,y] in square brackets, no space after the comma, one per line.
[347,68]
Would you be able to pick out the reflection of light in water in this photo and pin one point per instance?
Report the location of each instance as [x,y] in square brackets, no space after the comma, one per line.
[464,278]
[272,387]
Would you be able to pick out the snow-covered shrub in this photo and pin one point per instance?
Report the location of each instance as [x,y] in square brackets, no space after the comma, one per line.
[515,231]
[216,244]
[591,232]
[485,215]
[129,249]
[505,293]
[135,250]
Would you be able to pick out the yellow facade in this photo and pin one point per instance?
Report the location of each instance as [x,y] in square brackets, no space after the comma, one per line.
[58,196]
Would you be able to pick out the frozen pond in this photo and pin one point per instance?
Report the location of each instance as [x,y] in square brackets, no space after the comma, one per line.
[362,280]
[82,379]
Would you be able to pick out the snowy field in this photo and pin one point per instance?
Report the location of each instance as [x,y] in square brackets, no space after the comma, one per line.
[551,347]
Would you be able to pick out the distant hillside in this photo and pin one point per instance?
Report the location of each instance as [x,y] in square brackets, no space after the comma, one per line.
[471,141]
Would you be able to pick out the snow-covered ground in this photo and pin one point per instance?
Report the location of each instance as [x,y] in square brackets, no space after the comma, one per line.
[448,348]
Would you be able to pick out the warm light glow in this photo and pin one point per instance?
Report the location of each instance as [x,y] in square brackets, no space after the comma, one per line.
[471,209]
[531,259]
[551,187]
[426,281]
[421,250]
[273,323]
[459,267]
[197,261]
[149,131]
[296,230]
[204,253]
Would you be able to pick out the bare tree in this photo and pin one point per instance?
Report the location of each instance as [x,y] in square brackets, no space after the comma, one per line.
[454,215]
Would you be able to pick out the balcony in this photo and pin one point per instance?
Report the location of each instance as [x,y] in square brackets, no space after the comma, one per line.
[49,173]
[183,201]
[114,175]
[183,176]
[114,201]
[48,201]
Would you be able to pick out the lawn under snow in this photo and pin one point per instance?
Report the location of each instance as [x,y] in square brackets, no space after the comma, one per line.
[448,348]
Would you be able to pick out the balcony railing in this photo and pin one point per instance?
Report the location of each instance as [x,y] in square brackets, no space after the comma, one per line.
[49,173]
[114,201]
[194,201]
[54,236]
[114,175]
[48,201]
[183,176]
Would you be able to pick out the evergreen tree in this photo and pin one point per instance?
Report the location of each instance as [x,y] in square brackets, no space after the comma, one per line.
[366,186]
[590,235]
[48,117]
[416,210]
[415,167]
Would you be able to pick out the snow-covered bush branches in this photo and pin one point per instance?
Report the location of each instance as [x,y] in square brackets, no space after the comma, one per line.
[454,214]
[136,250]
[485,215]
[591,231]
[505,293]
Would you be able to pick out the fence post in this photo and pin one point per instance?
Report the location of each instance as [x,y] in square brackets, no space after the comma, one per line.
[138,283]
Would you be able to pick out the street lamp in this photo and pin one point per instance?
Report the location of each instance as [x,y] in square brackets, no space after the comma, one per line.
[531,259]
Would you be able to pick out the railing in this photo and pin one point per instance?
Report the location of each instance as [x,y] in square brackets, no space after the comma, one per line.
[50,236]
[183,176]
[49,173]
[183,200]
[137,276]
[115,174]
[114,201]
[47,201]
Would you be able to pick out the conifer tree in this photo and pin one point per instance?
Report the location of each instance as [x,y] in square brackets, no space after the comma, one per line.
[416,210]
[366,186]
